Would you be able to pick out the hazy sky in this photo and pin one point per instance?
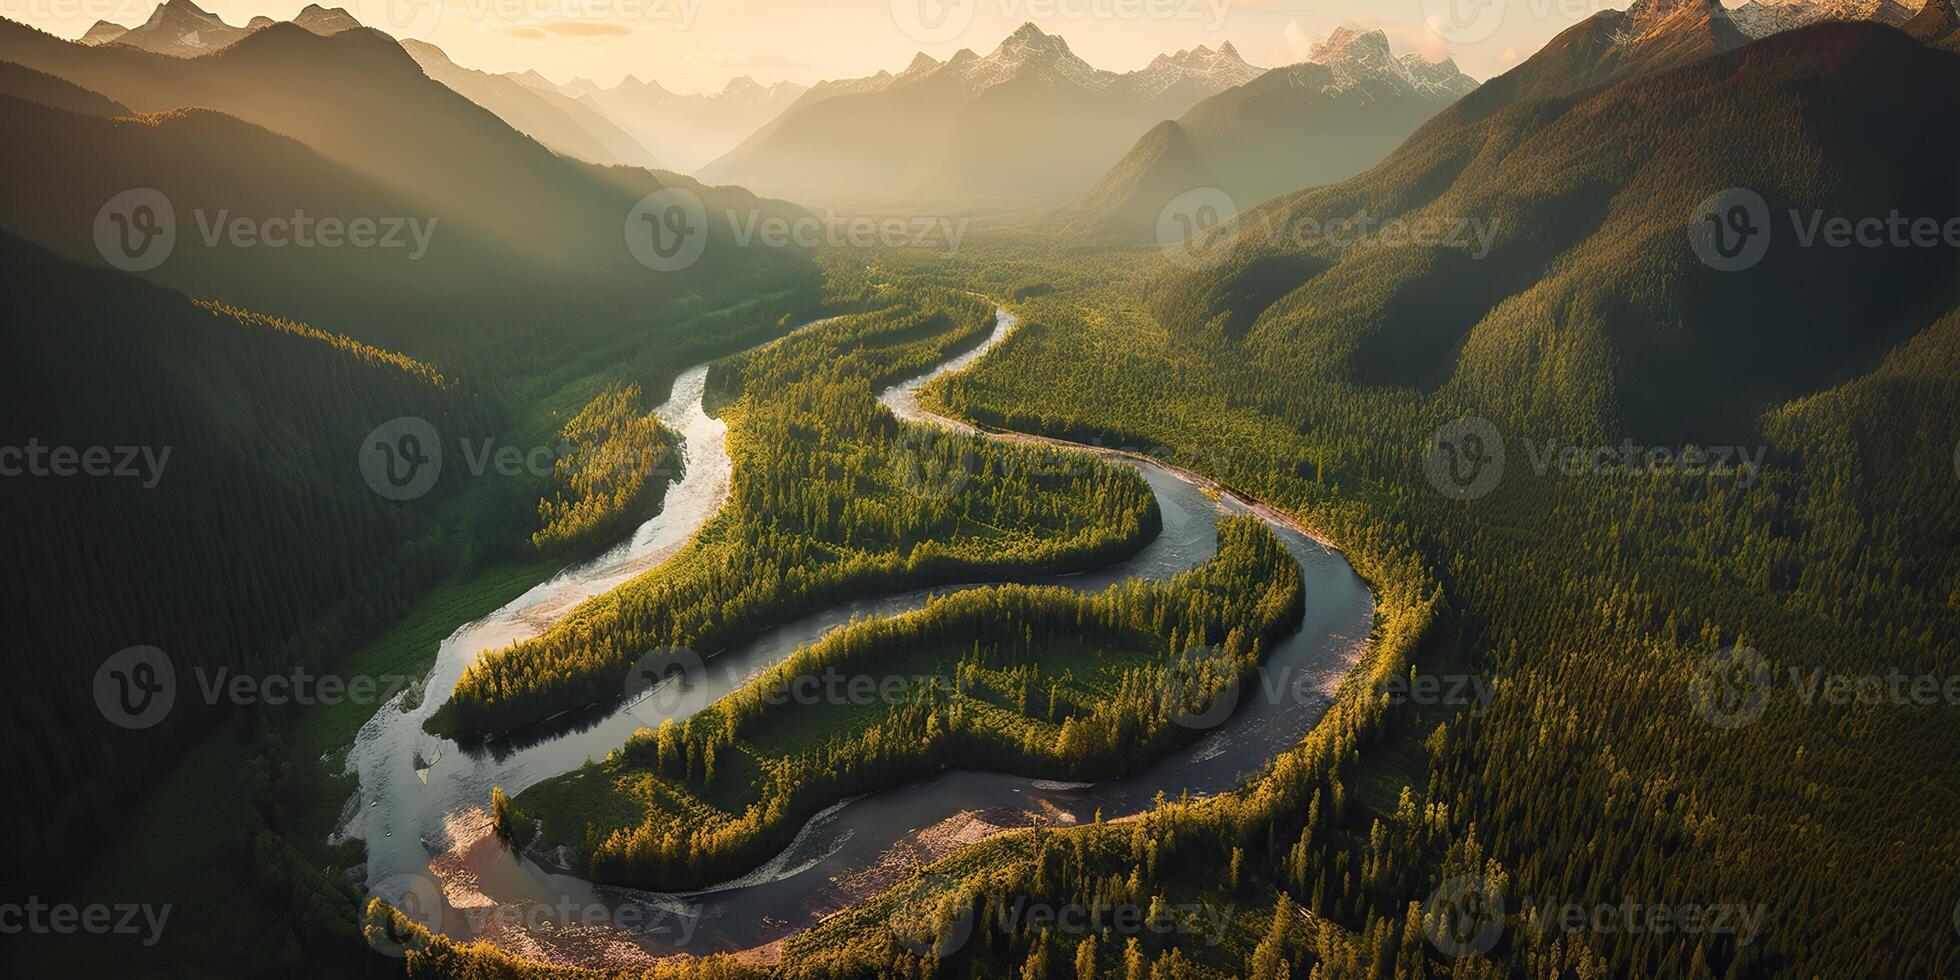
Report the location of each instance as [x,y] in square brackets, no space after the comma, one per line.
[691,45]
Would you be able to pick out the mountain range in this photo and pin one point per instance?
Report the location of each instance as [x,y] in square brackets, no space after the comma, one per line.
[1586,194]
[1030,121]
[183,29]
[1325,119]
[366,132]
[180,28]
[568,125]
[685,130]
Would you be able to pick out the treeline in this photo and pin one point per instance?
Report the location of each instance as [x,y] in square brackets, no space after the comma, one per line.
[831,497]
[1039,680]
[614,468]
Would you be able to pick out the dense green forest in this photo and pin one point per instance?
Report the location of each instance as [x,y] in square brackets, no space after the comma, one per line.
[1038,680]
[832,497]
[252,544]
[612,469]
[1837,557]
[247,540]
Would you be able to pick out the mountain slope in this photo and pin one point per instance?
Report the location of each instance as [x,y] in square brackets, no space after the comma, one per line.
[361,102]
[1299,126]
[561,123]
[248,543]
[1030,121]
[102,32]
[46,89]
[1128,199]
[1590,291]
[216,170]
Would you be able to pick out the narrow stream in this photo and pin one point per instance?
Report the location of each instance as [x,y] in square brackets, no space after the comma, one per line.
[422,796]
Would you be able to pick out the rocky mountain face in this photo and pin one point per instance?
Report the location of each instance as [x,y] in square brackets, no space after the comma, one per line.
[1761,18]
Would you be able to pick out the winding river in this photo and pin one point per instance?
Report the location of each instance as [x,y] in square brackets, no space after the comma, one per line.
[421,800]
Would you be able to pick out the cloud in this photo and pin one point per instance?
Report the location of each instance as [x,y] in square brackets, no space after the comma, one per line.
[525,33]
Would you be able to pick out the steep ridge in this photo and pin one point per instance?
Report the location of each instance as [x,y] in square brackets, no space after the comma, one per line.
[1129,199]
[1759,19]
[1313,123]
[1584,292]
[46,89]
[102,32]
[562,123]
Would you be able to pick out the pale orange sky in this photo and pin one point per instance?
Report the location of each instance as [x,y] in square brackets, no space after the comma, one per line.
[692,45]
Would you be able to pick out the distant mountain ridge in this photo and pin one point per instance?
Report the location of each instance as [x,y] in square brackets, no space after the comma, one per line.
[182,29]
[560,122]
[1031,121]
[1312,123]
[686,131]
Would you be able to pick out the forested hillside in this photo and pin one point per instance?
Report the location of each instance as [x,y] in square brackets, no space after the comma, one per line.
[244,539]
